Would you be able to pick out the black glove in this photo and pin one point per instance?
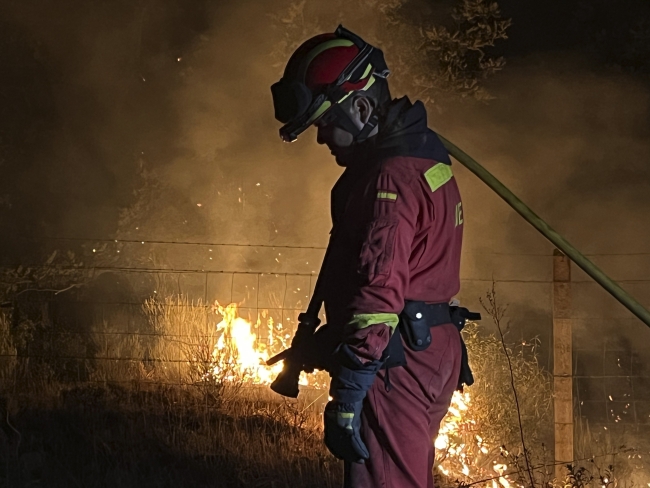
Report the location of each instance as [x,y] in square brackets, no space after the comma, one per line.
[320,353]
[351,380]
[342,437]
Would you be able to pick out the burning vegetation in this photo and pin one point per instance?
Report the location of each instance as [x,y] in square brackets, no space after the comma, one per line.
[191,378]
[173,392]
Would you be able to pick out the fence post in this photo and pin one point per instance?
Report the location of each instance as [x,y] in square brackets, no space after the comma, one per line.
[562,363]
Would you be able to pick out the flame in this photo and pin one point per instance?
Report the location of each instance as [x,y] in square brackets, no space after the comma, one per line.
[237,344]
[461,453]
[240,355]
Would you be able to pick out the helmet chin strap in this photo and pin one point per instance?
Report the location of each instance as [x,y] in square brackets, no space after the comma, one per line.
[369,126]
[343,121]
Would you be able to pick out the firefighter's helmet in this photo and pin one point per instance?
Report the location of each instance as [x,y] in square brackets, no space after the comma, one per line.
[324,71]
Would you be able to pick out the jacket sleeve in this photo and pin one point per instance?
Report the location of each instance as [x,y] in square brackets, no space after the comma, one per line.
[384,265]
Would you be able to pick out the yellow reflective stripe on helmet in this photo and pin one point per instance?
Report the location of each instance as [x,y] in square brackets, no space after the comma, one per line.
[344,97]
[438,175]
[387,195]
[371,81]
[366,72]
[361,321]
[321,110]
[319,49]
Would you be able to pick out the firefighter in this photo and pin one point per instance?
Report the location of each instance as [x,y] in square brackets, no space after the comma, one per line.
[393,261]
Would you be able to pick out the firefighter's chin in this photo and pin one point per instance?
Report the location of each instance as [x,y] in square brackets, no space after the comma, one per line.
[343,156]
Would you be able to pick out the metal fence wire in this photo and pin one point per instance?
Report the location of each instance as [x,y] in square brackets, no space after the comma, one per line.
[104,332]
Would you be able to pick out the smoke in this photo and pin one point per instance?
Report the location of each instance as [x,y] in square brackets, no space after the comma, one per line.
[172,99]
[154,121]
[572,142]
[93,84]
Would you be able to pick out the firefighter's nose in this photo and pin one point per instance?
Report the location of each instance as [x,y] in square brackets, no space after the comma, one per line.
[320,139]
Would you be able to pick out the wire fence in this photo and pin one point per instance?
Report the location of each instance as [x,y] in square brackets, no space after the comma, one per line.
[90,240]
[102,332]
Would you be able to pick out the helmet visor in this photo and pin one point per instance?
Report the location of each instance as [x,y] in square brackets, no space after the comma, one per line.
[290,131]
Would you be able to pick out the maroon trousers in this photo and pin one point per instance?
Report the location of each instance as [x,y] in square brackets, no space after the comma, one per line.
[400,425]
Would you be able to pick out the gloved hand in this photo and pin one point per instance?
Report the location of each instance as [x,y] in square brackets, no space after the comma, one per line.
[320,353]
[342,437]
[351,380]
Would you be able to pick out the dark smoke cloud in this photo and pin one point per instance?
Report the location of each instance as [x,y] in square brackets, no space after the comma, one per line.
[573,143]
[182,88]
[94,81]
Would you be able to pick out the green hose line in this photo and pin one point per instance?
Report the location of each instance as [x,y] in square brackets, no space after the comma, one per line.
[560,242]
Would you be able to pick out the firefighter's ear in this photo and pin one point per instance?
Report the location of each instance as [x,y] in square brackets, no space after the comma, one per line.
[362,107]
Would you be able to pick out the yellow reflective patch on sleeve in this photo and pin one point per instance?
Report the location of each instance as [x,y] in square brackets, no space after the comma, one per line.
[438,175]
[361,321]
[386,195]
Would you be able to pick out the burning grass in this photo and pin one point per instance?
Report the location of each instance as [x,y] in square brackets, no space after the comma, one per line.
[481,427]
[187,405]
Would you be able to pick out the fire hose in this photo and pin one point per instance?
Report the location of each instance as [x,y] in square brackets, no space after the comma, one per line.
[287,381]
[560,242]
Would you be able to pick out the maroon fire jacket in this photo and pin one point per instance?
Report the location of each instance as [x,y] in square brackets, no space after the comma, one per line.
[397,231]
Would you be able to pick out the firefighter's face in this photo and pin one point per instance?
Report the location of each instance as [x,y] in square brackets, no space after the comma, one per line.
[339,141]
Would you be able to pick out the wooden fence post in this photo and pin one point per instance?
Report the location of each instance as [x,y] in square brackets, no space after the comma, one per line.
[562,363]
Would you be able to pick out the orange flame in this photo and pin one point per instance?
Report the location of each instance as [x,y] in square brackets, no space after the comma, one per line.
[460,452]
[241,354]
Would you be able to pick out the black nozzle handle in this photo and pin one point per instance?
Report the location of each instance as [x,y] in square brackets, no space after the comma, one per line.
[279,357]
[286,384]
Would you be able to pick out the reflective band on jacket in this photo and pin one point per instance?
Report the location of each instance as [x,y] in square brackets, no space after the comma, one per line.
[364,320]
[438,175]
[387,195]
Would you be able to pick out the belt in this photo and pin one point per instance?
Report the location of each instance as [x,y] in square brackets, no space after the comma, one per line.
[416,320]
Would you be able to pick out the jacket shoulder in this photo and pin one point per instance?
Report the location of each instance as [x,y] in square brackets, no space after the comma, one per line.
[407,168]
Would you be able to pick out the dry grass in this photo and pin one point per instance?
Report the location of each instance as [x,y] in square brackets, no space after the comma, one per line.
[163,417]
[167,417]
[162,437]
[494,402]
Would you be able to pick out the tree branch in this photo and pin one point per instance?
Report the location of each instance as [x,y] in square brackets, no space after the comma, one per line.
[497,314]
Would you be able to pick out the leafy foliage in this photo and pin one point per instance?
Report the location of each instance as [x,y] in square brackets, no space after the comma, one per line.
[60,272]
[430,56]
[458,55]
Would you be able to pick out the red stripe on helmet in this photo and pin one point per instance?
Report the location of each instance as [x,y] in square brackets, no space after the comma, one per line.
[326,67]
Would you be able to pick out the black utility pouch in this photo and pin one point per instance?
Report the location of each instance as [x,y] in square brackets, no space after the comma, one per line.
[459,316]
[394,354]
[415,326]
